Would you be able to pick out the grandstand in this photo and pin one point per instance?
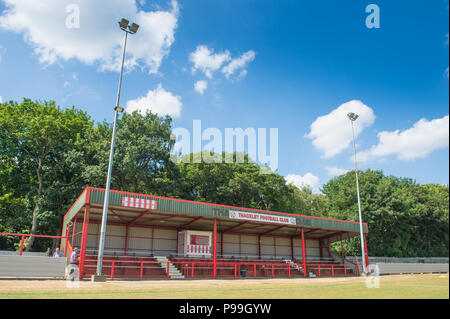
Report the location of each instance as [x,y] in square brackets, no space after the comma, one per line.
[153,237]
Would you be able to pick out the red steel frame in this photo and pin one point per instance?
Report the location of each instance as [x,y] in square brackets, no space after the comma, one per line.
[303,242]
[215,263]
[215,248]
[303,252]
[84,239]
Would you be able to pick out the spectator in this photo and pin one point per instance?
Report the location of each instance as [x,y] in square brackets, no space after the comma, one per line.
[57,253]
[74,257]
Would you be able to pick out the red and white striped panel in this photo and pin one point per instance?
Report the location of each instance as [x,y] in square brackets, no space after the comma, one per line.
[139,202]
[198,250]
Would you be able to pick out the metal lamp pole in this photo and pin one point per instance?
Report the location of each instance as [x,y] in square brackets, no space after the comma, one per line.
[131,30]
[353,117]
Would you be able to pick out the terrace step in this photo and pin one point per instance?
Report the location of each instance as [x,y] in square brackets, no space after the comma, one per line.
[174,273]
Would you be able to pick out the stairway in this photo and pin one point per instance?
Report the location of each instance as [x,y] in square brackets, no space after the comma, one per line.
[174,273]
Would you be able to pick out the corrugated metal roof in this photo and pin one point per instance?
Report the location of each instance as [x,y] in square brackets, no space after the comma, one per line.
[177,206]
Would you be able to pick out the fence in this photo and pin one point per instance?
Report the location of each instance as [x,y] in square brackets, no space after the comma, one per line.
[410,268]
[31,266]
[388,260]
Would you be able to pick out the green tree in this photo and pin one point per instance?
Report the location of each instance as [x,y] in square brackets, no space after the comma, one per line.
[404,219]
[41,144]
[141,155]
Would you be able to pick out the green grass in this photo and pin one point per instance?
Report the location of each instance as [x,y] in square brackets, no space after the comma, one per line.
[391,287]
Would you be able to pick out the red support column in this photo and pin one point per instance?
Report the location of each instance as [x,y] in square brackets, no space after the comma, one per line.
[66,244]
[21,245]
[84,236]
[74,229]
[112,270]
[215,249]
[303,252]
[168,270]
[342,252]
[254,270]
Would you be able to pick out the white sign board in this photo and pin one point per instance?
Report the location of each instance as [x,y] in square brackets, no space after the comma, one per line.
[262,217]
[139,202]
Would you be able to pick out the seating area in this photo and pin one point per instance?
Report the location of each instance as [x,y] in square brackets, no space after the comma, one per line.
[133,266]
[234,268]
[126,267]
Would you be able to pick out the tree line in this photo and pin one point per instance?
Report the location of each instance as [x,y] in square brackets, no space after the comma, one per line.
[48,155]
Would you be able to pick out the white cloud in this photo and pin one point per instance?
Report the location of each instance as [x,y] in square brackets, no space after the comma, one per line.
[308,180]
[332,133]
[242,74]
[239,63]
[417,142]
[158,101]
[1,99]
[200,86]
[206,61]
[66,84]
[336,171]
[98,40]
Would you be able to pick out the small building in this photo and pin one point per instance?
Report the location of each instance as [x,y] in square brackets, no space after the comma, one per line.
[158,237]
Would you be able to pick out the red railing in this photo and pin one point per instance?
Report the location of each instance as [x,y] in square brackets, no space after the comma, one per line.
[204,269]
[22,241]
[333,270]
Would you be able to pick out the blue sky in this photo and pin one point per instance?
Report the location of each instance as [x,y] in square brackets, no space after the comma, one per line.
[295,66]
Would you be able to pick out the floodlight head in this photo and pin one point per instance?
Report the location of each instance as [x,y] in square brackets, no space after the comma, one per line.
[124,24]
[119,109]
[133,28]
[352,116]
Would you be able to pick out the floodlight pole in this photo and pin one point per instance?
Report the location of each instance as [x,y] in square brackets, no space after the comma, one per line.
[359,204]
[101,244]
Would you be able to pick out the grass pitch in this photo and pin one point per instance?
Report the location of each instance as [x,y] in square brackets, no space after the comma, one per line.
[427,286]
